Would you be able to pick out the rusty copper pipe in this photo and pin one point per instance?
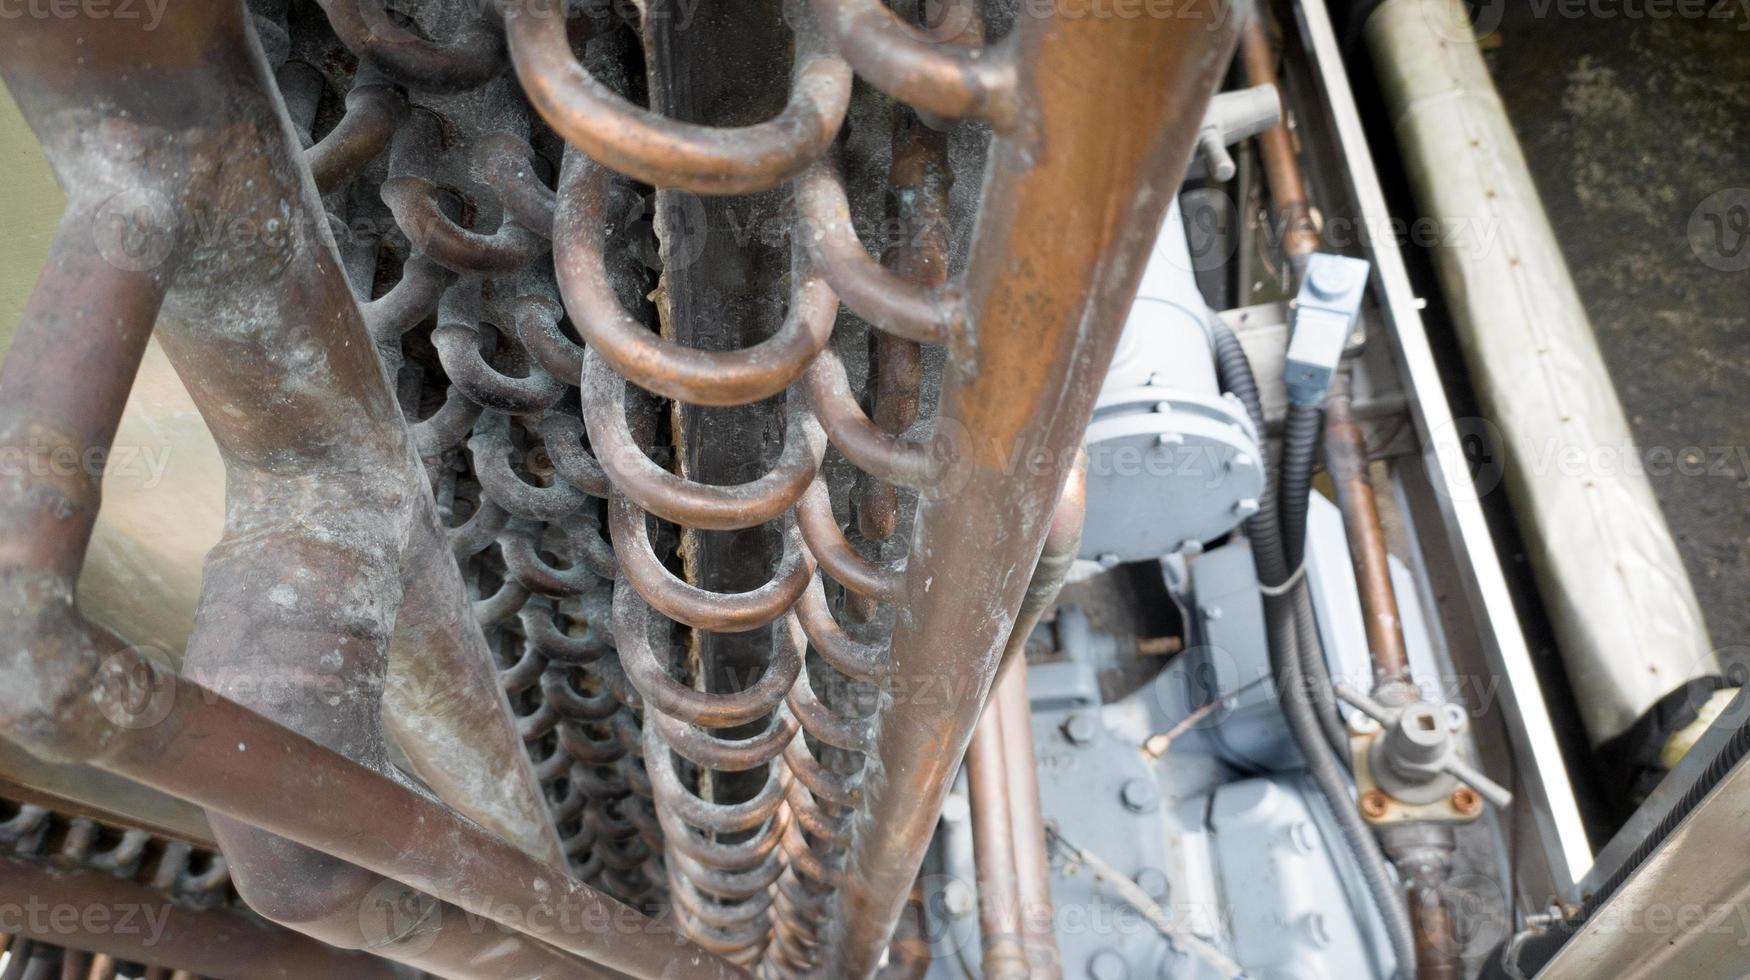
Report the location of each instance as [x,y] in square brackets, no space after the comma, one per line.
[269,341]
[666,152]
[1032,862]
[1345,449]
[993,845]
[208,942]
[1423,854]
[1064,225]
[1300,235]
[1015,718]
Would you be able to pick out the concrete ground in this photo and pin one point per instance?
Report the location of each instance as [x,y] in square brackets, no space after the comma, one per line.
[1638,135]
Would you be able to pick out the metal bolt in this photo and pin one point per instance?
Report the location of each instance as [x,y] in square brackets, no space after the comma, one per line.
[1317,932]
[1108,964]
[1246,507]
[1079,729]
[1109,560]
[1170,439]
[1140,795]
[1362,723]
[1466,801]
[1153,881]
[1304,836]
[1375,804]
[1455,718]
[958,899]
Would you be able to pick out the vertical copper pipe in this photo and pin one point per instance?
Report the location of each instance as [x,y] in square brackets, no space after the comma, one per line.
[1032,864]
[1345,448]
[1009,704]
[1300,236]
[1423,854]
[993,845]
[1066,222]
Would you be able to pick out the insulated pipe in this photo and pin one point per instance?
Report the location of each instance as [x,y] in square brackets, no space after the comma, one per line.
[1627,622]
[1066,224]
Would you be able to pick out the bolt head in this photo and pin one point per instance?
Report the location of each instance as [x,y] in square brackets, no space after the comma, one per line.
[1466,801]
[1153,882]
[1108,964]
[1079,729]
[1316,930]
[1140,795]
[1375,804]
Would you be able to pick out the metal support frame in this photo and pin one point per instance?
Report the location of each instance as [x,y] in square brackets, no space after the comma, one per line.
[1072,203]
[328,565]
[335,569]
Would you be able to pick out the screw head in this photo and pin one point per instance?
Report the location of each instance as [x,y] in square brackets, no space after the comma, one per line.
[1108,964]
[1154,882]
[1079,729]
[1314,927]
[1466,801]
[1375,804]
[1140,795]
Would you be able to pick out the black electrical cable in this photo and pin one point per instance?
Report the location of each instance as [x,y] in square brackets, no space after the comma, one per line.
[1323,763]
[1300,452]
[1269,554]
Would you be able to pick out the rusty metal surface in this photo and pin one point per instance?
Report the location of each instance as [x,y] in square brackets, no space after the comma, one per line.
[72,884]
[1032,862]
[1296,229]
[326,529]
[993,842]
[1116,107]
[1346,461]
[445,447]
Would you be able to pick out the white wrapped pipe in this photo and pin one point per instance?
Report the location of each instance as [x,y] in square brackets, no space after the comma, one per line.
[1626,618]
